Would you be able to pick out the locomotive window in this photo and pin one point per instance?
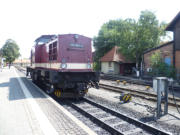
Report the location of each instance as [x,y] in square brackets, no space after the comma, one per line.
[53,51]
[50,46]
[50,51]
[55,44]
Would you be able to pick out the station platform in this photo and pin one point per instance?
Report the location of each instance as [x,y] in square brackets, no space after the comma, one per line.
[26,110]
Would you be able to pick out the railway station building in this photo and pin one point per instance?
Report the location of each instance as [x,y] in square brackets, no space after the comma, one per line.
[114,62]
[170,51]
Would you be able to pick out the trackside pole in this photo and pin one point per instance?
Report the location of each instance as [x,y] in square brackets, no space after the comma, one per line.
[160,86]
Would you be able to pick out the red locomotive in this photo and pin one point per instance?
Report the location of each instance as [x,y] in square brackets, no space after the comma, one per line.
[64,64]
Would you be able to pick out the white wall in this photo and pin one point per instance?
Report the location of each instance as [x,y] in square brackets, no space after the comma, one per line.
[113,69]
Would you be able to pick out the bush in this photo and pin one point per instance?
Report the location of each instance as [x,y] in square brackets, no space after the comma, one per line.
[96,66]
[163,70]
[160,68]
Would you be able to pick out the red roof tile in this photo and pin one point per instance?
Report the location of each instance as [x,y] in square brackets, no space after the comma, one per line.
[114,55]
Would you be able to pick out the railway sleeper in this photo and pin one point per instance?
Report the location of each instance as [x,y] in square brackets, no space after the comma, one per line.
[133,131]
[119,123]
[108,118]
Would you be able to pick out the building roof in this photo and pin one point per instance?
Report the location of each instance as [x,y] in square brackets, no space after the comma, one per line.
[171,25]
[114,55]
[160,46]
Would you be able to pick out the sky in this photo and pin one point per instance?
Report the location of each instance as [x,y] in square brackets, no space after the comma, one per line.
[26,20]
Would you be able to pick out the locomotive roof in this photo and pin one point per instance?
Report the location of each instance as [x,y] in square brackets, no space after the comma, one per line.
[45,38]
[73,35]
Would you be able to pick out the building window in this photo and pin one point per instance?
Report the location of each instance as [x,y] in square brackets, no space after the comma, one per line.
[110,64]
[53,51]
[167,60]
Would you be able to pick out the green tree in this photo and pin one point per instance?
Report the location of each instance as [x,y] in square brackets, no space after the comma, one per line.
[159,67]
[132,37]
[10,51]
[148,33]
[115,32]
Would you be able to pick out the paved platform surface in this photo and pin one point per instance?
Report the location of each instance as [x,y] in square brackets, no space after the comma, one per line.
[16,116]
[26,111]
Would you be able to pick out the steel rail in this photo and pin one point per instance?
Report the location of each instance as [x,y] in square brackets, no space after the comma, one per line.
[129,80]
[128,119]
[137,93]
[96,120]
[132,81]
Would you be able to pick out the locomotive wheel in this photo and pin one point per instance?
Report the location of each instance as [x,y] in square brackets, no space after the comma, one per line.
[33,78]
[31,75]
[50,89]
[27,73]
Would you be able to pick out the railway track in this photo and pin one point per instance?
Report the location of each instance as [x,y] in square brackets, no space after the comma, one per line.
[127,79]
[140,94]
[114,122]
[132,80]
[22,69]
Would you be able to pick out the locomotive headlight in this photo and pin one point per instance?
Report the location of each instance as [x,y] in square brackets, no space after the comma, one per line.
[89,65]
[63,65]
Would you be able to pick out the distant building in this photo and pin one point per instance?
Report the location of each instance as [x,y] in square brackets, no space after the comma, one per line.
[114,62]
[22,62]
[166,51]
[170,51]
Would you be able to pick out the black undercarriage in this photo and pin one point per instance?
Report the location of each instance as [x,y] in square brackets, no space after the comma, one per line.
[64,84]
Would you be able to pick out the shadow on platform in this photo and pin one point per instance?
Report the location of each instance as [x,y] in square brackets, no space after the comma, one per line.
[6,84]
[16,92]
